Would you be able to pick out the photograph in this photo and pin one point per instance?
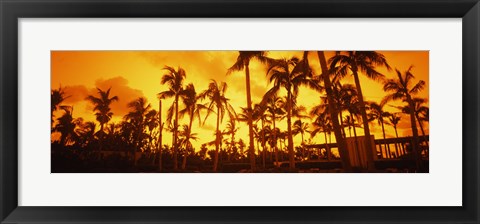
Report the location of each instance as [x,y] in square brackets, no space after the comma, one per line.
[211,111]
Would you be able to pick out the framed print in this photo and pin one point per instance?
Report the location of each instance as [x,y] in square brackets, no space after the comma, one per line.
[248,112]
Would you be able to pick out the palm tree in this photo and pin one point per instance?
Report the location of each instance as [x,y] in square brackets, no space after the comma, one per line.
[186,142]
[394,119]
[66,126]
[421,113]
[403,89]
[376,112]
[300,127]
[174,80]
[231,129]
[57,98]
[365,62]
[290,74]
[274,106]
[192,108]
[321,123]
[334,109]
[260,115]
[216,95]
[139,109]
[103,111]
[242,63]
[86,134]
[160,135]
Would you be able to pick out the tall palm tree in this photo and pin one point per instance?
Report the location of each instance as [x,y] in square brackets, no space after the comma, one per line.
[216,96]
[403,88]
[103,111]
[333,110]
[365,62]
[290,74]
[192,108]
[57,97]
[376,112]
[243,63]
[174,80]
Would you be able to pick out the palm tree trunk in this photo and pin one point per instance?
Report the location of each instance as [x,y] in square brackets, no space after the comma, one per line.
[340,117]
[387,149]
[327,147]
[415,146]
[357,149]
[101,137]
[396,144]
[401,145]
[263,143]
[303,149]
[160,127]
[250,119]
[217,141]
[289,129]
[184,162]
[274,134]
[423,132]
[175,135]
[368,144]
[342,146]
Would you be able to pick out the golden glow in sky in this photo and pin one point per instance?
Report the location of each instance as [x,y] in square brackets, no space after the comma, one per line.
[133,74]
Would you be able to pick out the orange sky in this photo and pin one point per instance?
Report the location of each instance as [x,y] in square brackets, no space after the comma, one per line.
[132,74]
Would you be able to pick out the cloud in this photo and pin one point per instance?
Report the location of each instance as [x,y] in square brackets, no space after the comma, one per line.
[119,87]
[75,93]
[202,64]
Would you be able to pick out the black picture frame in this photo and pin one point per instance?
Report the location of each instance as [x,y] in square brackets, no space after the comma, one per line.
[11,11]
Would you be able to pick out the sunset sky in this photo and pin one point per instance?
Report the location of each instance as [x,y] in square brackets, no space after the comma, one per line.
[133,74]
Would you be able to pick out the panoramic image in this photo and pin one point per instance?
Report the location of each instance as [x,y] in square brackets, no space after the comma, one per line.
[239,111]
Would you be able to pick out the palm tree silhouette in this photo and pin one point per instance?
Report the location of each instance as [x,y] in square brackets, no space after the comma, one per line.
[274,106]
[403,88]
[57,97]
[192,108]
[290,74]
[300,127]
[174,80]
[334,109]
[242,63]
[139,109]
[216,96]
[376,112]
[394,119]
[86,134]
[103,111]
[365,62]
[66,126]
[321,123]
[231,130]
[421,113]
[186,137]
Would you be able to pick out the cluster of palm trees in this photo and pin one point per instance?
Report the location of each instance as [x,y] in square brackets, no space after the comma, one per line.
[142,128]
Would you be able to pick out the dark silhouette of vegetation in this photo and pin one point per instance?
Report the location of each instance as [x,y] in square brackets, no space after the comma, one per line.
[282,134]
